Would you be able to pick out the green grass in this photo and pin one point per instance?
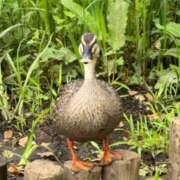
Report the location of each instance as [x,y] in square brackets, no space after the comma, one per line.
[39,53]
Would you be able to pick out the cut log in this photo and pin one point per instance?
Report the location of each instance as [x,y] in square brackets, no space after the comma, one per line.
[159,178]
[3,169]
[174,150]
[125,169]
[43,170]
[93,174]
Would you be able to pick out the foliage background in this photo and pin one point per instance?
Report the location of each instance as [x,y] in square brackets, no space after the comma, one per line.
[140,44]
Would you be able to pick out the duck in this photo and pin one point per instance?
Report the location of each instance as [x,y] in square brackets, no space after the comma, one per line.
[88,109]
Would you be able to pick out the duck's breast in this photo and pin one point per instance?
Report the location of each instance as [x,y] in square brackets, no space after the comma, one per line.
[92,112]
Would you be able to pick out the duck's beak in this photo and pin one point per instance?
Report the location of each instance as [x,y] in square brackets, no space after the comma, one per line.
[86,57]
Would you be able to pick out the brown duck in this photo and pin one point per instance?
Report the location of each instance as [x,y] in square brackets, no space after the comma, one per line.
[88,109]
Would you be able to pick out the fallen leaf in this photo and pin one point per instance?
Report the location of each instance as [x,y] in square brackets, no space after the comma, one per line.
[140,97]
[23,141]
[12,169]
[152,117]
[156,116]
[8,134]
[149,97]
[125,138]
[45,154]
[46,145]
[15,169]
[132,93]
[121,124]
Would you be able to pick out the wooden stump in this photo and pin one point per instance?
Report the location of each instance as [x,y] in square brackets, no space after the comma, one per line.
[159,178]
[3,169]
[126,169]
[43,170]
[174,150]
[93,174]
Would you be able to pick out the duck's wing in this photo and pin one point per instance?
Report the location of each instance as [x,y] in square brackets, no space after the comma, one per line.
[113,94]
[104,85]
[65,94]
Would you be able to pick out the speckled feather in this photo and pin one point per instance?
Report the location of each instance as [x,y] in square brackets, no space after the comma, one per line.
[87,110]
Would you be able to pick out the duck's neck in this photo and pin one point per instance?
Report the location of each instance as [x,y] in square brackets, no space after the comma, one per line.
[89,72]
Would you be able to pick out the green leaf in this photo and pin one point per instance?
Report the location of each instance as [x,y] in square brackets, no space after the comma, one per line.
[62,54]
[95,145]
[81,13]
[120,61]
[172,52]
[167,79]
[178,12]
[117,21]
[171,28]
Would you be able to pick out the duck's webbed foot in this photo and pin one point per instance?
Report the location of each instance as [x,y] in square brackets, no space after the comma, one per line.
[109,155]
[77,165]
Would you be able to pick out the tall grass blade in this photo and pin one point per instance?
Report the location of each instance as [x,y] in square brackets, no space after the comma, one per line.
[33,66]
[1,4]
[10,61]
[46,16]
[3,33]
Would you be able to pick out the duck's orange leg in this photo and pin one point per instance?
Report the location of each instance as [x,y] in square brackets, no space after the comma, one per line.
[109,155]
[77,165]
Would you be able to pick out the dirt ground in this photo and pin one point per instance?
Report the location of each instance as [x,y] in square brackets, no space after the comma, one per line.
[47,133]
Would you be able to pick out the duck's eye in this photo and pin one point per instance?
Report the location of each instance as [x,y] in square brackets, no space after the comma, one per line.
[80,49]
[95,50]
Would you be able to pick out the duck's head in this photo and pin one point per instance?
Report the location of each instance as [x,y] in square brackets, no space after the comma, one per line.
[88,48]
